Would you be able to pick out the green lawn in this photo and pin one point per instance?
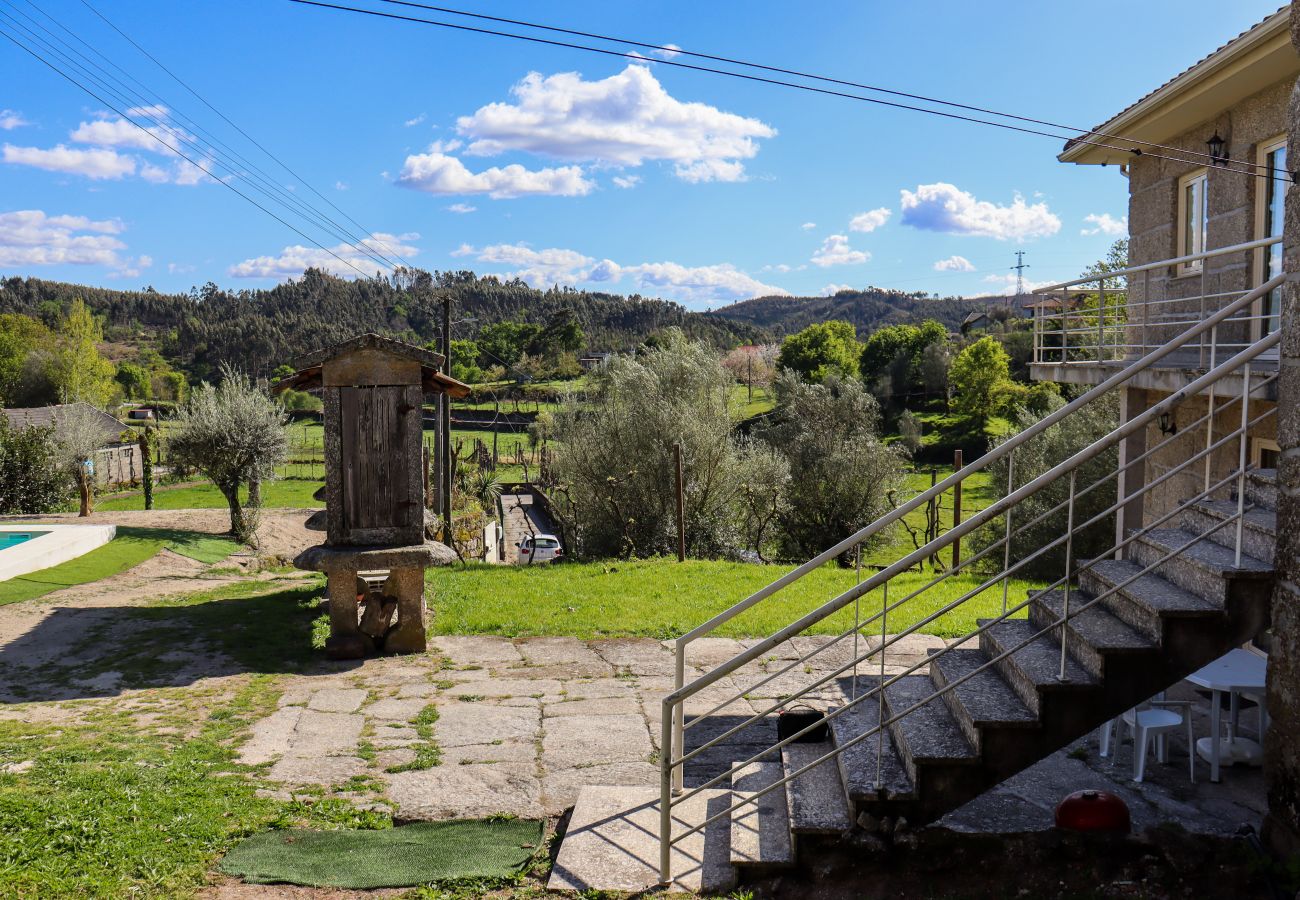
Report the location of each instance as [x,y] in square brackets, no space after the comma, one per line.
[744,408]
[663,598]
[130,547]
[292,493]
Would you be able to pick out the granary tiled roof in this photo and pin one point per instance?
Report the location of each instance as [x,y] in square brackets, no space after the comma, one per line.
[44,416]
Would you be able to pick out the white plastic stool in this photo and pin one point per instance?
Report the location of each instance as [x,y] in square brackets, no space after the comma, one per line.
[1151,724]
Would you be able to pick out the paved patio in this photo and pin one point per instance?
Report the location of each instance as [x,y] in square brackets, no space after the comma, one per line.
[523,725]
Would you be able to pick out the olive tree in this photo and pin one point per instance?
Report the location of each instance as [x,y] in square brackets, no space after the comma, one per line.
[840,472]
[235,434]
[615,464]
[761,496]
[81,433]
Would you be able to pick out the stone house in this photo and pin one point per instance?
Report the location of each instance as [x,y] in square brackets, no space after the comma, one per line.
[1200,154]
[117,461]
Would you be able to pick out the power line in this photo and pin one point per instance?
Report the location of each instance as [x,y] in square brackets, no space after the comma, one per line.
[235,126]
[142,110]
[206,171]
[1190,156]
[674,50]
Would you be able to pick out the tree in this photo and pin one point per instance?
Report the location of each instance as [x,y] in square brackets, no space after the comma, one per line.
[615,459]
[936,359]
[79,436]
[505,342]
[910,429]
[464,362]
[234,434]
[750,365]
[31,479]
[26,347]
[976,374]
[840,473]
[135,381]
[763,478]
[80,373]
[820,351]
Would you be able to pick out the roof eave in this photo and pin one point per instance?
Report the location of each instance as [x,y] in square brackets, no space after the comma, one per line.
[1246,65]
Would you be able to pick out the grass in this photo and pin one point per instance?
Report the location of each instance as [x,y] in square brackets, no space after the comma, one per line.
[744,408]
[130,547]
[663,598]
[290,493]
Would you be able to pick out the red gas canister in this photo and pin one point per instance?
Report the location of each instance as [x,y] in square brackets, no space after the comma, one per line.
[1093,811]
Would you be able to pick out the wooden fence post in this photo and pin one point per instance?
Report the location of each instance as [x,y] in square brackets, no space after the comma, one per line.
[956,509]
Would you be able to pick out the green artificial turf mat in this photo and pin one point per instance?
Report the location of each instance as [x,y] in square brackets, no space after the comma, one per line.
[392,857]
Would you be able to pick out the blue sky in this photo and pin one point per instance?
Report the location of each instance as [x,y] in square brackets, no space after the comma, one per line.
[466,151]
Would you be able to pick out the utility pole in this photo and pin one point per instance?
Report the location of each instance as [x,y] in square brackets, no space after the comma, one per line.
[749,376]
[1019,269]
[444,421]
[681,513]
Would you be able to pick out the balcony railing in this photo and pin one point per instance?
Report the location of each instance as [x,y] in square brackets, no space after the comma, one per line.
[1125,314]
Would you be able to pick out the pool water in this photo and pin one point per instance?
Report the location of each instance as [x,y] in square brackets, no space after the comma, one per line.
[14,538]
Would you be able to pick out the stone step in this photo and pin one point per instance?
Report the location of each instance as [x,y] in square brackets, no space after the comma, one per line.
[1200,566]
[926,734]
[858,764]
[1033,670]
[612,843]
[1093,634]
[1145,602]
[1258,536]
[760,831]
[818,803]
[1261,487]
[984,700]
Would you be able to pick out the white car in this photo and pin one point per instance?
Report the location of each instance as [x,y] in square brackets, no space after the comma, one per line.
[539,548]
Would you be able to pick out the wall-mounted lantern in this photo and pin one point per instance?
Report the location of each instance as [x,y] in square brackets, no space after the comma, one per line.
[1217,147]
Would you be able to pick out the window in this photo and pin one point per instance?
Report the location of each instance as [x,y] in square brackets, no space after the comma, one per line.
[1272,197]
[1264,453]
[1193,217]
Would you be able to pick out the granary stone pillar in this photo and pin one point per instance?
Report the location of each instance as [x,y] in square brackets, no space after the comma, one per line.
[1282,746]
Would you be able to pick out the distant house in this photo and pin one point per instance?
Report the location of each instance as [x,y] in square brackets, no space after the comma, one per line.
[593,361]
[117,461]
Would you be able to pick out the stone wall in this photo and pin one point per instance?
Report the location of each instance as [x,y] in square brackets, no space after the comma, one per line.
[1233,199]
[1282,750]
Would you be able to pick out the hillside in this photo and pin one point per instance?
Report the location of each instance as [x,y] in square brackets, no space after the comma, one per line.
[868,310]
[257,330]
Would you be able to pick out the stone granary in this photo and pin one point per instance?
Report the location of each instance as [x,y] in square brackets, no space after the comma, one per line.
[375,550]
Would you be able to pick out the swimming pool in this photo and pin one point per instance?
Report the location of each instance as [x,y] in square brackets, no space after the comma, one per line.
[14,538]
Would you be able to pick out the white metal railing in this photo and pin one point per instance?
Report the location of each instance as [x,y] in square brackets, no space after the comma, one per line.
[1117,315]
[1194,467]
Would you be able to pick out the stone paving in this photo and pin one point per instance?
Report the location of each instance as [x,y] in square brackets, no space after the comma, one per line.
[521,725]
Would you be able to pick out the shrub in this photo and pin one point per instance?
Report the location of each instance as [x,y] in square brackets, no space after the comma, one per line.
[31,478]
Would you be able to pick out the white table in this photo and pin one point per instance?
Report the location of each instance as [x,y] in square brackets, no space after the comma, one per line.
[1239,671]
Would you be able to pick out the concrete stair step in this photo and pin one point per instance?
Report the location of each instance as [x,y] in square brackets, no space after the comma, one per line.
[818,803]
[612,843]
[858,763]
[760,831]
[1033,670]
[1261,487]
[925,734]
[982,701]
[1200,566]
[1258,536]
[1093,634]
[1147,600]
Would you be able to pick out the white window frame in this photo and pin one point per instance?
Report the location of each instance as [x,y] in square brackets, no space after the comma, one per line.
[1197,242]
[1261,225]
[1257,448]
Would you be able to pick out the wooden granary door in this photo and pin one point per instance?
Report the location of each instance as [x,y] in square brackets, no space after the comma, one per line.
[374,459]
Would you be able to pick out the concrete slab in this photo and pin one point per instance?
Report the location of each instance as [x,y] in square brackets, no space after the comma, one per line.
[481,650]
[340,700]
[612,843]
[467,724]
[466,792]
[584,740]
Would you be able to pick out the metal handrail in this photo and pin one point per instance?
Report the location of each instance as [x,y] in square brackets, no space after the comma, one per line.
[673,704]
[1162,264]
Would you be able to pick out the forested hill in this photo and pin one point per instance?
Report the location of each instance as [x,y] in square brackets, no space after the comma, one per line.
[868,310]
[257,330]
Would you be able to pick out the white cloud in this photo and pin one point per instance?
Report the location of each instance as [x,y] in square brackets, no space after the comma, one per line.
[11,119]
[871,220]
[668,51]
[808,226]
[30,237]
[690,284]
[832,289]
[623,120]
[945,207]
[437,173]
[954,264]
[132,267]
[179,268]
[1105,224]
[96,164]
[415,121]
[835,251]
[292,261]
[121,133]
[462,208]
[1007,283]
[627,181]
[340,186]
